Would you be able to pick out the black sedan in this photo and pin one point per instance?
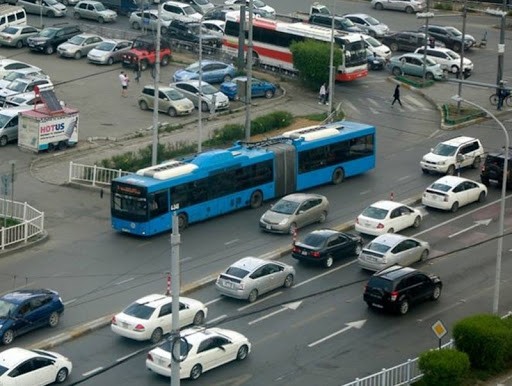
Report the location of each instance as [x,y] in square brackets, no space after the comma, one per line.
[325,245]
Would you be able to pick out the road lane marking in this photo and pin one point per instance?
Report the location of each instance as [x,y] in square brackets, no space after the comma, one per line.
[476,224]
[217,319]
[259,301]
[231,242]
[332,270]
[289,306]
[124,281]
[213,301]
[364,192]
[122,359]
[403,178]
[70,301]
[358,324]
[313,318]
[92,371]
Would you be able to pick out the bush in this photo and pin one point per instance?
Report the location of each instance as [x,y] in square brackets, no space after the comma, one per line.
[271,122]
[446,367]
[487,339]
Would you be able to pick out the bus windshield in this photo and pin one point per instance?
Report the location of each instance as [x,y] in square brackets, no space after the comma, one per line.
[129,203]
[355,53]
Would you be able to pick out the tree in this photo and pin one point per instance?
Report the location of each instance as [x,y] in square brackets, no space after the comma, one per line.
[311,58]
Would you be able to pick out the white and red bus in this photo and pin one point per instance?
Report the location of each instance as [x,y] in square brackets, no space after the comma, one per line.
[272,40]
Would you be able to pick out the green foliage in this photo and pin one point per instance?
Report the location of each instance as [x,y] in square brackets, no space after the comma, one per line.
[9,222]
[228,134]
[270,122]
[487,339]
[444,5]
[446,367]
[311,58]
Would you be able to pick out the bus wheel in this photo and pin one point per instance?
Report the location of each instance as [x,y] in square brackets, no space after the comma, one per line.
[182,221]
[338,176]
[256,199]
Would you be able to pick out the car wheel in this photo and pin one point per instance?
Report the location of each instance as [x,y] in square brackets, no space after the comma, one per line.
[49,50]
[135,25]
[456,46]
[269,94]
[53,319]
[78,55]
[182,221]
[172,112]
[481,197]
[379,7]
[253,296]
[50,14]
[328,262]
[198,318]
[242,353]
[454,69]
[8,337]
[62,375]
[256,199]
[417,222]
[391,230]
[485,181]
[425,171]
[227,78]
[101,20]
[396,71]
[451,170]
[62,145]
[156,336]
[409,10]
[358,249]
[323,217]
[393,47]
[4,140]
[476,162]
[338,176]
[455,207]
[424,255]
[19,44]
[429,76]
[292,229]
[164,61]
[204,106]
[76,15]
[436,293]
[110,61]
[404,307]
[51,148]
[288,282]
[196,372]
[143,105]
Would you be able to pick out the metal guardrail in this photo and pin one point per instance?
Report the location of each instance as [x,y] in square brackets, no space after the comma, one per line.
[93,175]
[31,222]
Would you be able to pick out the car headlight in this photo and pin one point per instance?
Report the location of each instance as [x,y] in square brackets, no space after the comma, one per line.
[441,162]
[283,222]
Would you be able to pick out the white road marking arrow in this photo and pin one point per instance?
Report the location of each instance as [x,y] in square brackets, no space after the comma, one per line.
[476,224]
[289,306]
[358,324]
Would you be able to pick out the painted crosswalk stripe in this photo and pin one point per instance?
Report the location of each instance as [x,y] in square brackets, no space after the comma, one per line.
[414,101]
[351,106]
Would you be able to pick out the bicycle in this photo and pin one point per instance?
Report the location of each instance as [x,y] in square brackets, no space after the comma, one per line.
[493,99]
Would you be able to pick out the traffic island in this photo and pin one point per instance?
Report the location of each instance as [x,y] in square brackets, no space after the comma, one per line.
[414,82]
[455,115]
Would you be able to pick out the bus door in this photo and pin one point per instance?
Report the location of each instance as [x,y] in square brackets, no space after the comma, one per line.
[285,169]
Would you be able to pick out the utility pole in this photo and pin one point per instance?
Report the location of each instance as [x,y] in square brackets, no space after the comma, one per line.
[501,45]
[154,153]
[248,85]
[331,64]
[175,292]
[13,164]
[241,40]
[425,15]
[461,68]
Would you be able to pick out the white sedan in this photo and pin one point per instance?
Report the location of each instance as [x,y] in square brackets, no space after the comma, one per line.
[150,317]
[452,192]
[387,217]
[206,349]
[21,367]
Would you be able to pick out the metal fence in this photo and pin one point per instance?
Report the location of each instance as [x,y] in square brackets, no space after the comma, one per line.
[93,175]
[31,222]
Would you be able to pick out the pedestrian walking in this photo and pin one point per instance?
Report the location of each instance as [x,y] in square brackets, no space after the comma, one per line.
[137,71]
[123,78]
[396,96]
[327,92]
[321,94]
[502,94]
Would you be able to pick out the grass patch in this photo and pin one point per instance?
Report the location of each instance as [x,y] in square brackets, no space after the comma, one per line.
[452,115]
[9,222]
[323,116]
[414,81]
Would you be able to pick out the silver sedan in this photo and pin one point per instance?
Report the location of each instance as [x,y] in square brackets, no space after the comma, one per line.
[78,46]
[109,51]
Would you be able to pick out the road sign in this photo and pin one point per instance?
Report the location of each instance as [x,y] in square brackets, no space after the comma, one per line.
[439,329]
[6,183]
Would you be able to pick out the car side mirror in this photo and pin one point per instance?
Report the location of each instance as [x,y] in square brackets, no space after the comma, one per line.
[431,149]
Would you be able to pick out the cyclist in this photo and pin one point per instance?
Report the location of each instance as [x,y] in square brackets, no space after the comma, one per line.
[502,94]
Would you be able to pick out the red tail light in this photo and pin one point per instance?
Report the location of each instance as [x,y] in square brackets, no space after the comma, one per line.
[315,254]
[149,357]
[139,327]
[295,249]
[114,321]
[380,226]
[394,295]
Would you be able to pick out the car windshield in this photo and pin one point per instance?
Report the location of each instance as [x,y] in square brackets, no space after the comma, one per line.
[16,101]
[376,213]
[201,2]
[6,308]
[378,247]
[346,23]
[48,33]
[453,54]
[17,86]
[285,207]
[208,89]
[454,31]
[441,187]
[106,46]
[194,67]
[314,240]
[174,95]
[237,272]
[444,150]
[77,40]
[10,30]
[141,311]
[3,370]
[372,20]
[13,76]
[373,42]
[100,7]
[51,2]
[430,62]
[188,10]
[258,3]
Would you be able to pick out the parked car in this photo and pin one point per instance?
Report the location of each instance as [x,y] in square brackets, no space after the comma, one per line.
[257,4]
[323,246]
[143,53]
[16,35]
[187,33]
[170,101]
[259,88]
[404,40]
[22,85]
[407,6]
[150,317]
[215,27]
[205,96]
[450,36]
[448,60]
[78,46]
[148,19]
[177,10]
[492,169]
[452,154]
[25,99]
[9,121]
[295,211]
[376,47]
[397,288]
[201,6]
[109,52]
[25,310]
[387,217]
[390,249]
[412,64]
[11,76]
[94,10]
[7,65]
[340,23]
[206,349]
[251,277]
[50,8]
[23,367]
[368,24]
[49,38]
[212,72]
[452,192]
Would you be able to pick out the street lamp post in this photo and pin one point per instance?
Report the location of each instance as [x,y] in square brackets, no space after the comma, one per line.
[154,149]
[248,84]
[427,16]
[499,251]
[501,44]
[331,62]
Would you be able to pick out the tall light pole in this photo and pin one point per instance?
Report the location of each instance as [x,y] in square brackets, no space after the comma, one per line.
[175,291]
[248,85]
[501,45]
[331,63]
[462,48]
[154,150]
[499,251]
[427,16]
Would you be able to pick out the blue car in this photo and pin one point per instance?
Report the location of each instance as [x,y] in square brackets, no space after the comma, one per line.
[260,88]
[24,310]
[212,72]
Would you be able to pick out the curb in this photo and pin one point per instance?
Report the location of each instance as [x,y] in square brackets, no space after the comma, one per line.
[43,237]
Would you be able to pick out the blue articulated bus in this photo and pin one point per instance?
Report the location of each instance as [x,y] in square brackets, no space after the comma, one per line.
[216,182]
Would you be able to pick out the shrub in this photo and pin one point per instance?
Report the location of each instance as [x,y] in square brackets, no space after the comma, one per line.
[487,339]
[446,367]
[270,122]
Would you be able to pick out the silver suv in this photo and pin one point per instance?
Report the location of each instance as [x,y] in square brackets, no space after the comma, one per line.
[94,10]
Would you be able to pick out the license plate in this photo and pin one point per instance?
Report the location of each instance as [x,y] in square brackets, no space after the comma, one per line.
[304,253]
[377,305]
[269,227]
[161,362]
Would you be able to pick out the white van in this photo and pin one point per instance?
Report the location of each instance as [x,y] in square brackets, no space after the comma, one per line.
[11,15]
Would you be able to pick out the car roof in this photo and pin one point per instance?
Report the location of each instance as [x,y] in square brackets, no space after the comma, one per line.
[387,204]
[457,141]
[220,23]
[5,62]
[157,300]
[177,3]
[394,272]
[299,197]
[451,180]
[324,232]
[361,15]
[197,334]
[12,357]
[389,239]
[19,296]
[87,35]
[500,154]
[193,82]
[249,263]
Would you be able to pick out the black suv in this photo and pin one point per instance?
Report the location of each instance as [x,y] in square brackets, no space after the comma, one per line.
[340,23]
[404,40]
[49,38]
[450,36]
[396,288]
[188,32]
[492,169]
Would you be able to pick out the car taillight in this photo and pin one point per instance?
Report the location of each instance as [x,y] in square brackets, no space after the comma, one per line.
[315,254]
[149,357]
[114,321]
[295,249]
[139,327]
[394,296]
[380,226]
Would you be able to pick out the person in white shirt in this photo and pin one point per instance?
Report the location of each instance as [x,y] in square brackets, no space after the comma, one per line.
[123,78]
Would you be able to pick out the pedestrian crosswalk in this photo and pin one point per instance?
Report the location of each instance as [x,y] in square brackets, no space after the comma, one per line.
[375,105]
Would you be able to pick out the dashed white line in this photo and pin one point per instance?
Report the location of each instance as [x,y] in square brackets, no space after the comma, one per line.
[232,242]
[124,281]
[213,301]
[403,178]
[92,371]
[127,356]
[325,273]
[259,301]
[364,192]
[217,319]
[70,301]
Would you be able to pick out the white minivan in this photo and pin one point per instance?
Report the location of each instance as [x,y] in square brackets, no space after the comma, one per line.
[12,15]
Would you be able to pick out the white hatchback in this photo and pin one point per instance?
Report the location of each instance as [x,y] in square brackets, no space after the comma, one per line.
[448,60]
[376,47]
[387,217]
[150,317]
[451,192]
